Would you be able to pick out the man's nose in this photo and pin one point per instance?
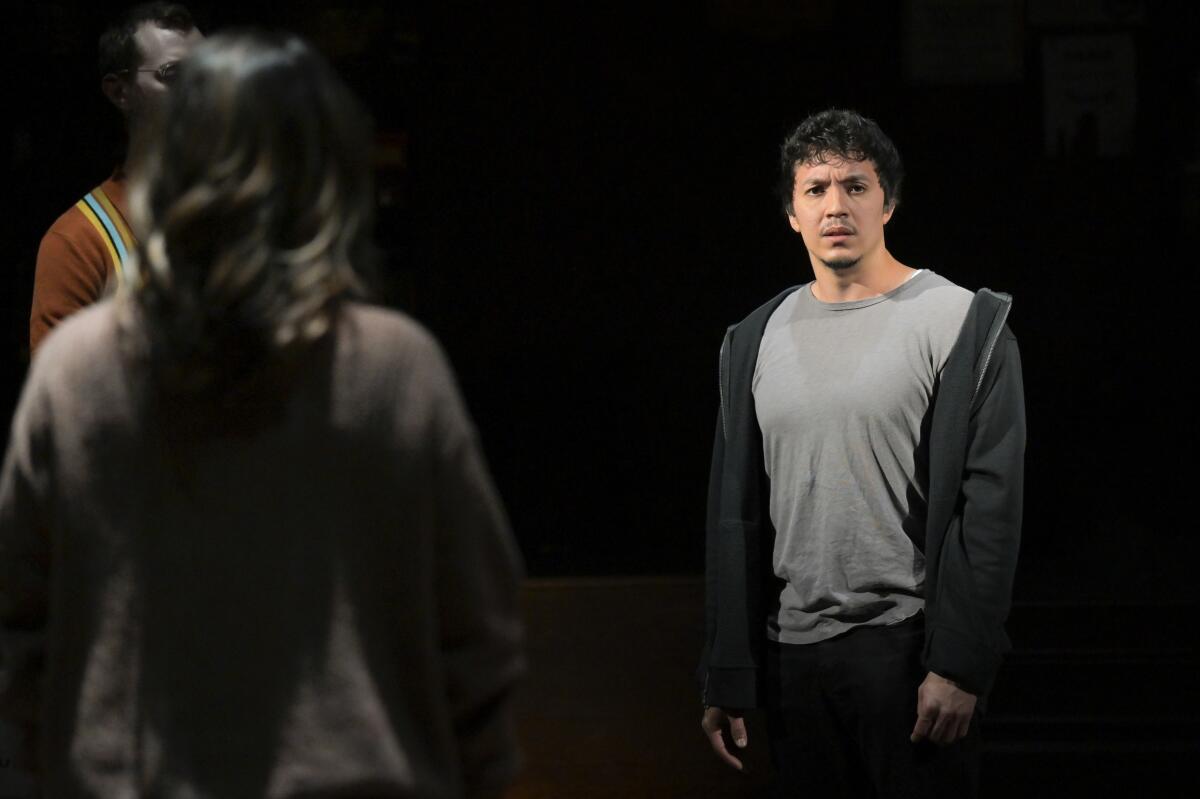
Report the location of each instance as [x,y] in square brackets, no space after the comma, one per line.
[835,201]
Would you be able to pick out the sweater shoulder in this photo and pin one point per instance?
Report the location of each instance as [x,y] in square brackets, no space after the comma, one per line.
[384,333]
[69,224]
[381,344]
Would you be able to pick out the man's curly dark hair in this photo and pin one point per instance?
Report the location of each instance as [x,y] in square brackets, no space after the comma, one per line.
[838,134]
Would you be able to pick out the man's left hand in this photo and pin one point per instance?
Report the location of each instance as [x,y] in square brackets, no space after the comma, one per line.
[944,711]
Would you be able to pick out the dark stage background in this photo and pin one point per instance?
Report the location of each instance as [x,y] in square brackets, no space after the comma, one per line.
[577,199]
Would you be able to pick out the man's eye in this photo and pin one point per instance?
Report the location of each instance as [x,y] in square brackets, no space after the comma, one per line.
[814,190]
[857,188]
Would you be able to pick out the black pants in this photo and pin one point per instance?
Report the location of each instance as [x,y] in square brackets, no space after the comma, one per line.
[840,713]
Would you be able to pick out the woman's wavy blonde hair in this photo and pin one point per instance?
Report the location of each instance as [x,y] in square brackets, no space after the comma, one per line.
[255,205]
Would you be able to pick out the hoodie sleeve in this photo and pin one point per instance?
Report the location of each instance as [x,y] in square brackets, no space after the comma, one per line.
[980,552]
[711,548]
[734,587]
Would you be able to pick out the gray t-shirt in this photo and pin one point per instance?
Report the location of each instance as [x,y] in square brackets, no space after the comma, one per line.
[841,391]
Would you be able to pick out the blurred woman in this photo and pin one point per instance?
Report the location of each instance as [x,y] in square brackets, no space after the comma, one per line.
[248,543]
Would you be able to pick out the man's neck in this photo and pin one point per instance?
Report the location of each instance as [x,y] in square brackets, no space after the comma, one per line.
[136,150]
[866,279]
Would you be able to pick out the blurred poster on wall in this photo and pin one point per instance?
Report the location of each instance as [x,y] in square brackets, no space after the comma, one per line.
[1076,13]
[954,42]
[1090,91]
[771,19]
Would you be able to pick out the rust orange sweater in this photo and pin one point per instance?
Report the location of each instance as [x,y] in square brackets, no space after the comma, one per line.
[80,256]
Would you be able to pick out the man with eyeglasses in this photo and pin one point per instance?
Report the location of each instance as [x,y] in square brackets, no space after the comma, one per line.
[82,254]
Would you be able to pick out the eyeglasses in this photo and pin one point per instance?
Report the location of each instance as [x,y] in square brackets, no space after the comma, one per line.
[166,74]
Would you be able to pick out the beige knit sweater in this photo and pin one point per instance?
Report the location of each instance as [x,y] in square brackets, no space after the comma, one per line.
[308,595]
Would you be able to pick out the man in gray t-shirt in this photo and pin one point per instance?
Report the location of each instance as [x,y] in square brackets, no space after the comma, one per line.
[842,385]
[841,389]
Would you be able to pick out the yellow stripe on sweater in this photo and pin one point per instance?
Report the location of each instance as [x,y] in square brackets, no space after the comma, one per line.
[99,226]
[122,229]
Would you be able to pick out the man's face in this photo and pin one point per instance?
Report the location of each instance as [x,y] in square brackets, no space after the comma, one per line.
[838,209]
[145,91]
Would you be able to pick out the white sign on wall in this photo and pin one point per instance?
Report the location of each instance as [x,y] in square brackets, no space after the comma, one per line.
[1090,89]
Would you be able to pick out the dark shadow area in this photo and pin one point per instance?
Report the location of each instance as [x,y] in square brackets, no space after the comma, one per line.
[579,201]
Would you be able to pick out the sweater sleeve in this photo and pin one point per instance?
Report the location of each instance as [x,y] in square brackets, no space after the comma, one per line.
[71,273]
[980,552]
[478,569]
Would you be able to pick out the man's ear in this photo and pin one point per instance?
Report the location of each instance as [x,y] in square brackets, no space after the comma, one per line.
[117,91]
[888,212]
[791,216]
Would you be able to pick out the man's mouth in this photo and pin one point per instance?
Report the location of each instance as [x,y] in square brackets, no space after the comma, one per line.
[838,231]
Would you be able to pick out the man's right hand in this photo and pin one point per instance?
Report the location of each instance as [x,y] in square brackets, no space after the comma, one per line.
[713,725]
